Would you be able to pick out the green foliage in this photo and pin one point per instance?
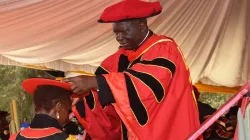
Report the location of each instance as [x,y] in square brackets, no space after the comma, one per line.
[10,88]
[214,99]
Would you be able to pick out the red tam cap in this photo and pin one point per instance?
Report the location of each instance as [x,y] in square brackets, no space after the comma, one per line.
[30,85]
[130,9]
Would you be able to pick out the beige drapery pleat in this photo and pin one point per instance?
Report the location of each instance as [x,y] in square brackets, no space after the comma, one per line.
[63,34]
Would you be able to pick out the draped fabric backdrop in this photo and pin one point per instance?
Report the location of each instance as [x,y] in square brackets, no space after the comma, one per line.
[64,34]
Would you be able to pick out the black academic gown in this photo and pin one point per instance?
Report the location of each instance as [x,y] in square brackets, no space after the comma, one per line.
[42,127]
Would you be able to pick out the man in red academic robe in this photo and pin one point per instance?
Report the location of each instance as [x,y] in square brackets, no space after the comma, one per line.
[141,92]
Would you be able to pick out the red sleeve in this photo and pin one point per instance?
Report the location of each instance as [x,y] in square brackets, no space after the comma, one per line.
[100,123]
[77,109]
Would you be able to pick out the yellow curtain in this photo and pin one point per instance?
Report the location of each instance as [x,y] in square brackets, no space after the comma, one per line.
[217,89]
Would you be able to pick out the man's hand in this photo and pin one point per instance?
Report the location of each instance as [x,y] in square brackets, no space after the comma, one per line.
[82,84]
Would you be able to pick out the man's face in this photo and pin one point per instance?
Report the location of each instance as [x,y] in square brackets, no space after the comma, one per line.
[128,34]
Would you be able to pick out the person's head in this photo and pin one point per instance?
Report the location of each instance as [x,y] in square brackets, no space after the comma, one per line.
[129,20]
[130,33]
[53,101]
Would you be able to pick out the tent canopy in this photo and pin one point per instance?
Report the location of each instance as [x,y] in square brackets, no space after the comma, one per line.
[64,35]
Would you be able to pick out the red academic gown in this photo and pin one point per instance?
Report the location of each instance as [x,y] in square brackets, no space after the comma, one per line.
[153,95]
[42,127]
